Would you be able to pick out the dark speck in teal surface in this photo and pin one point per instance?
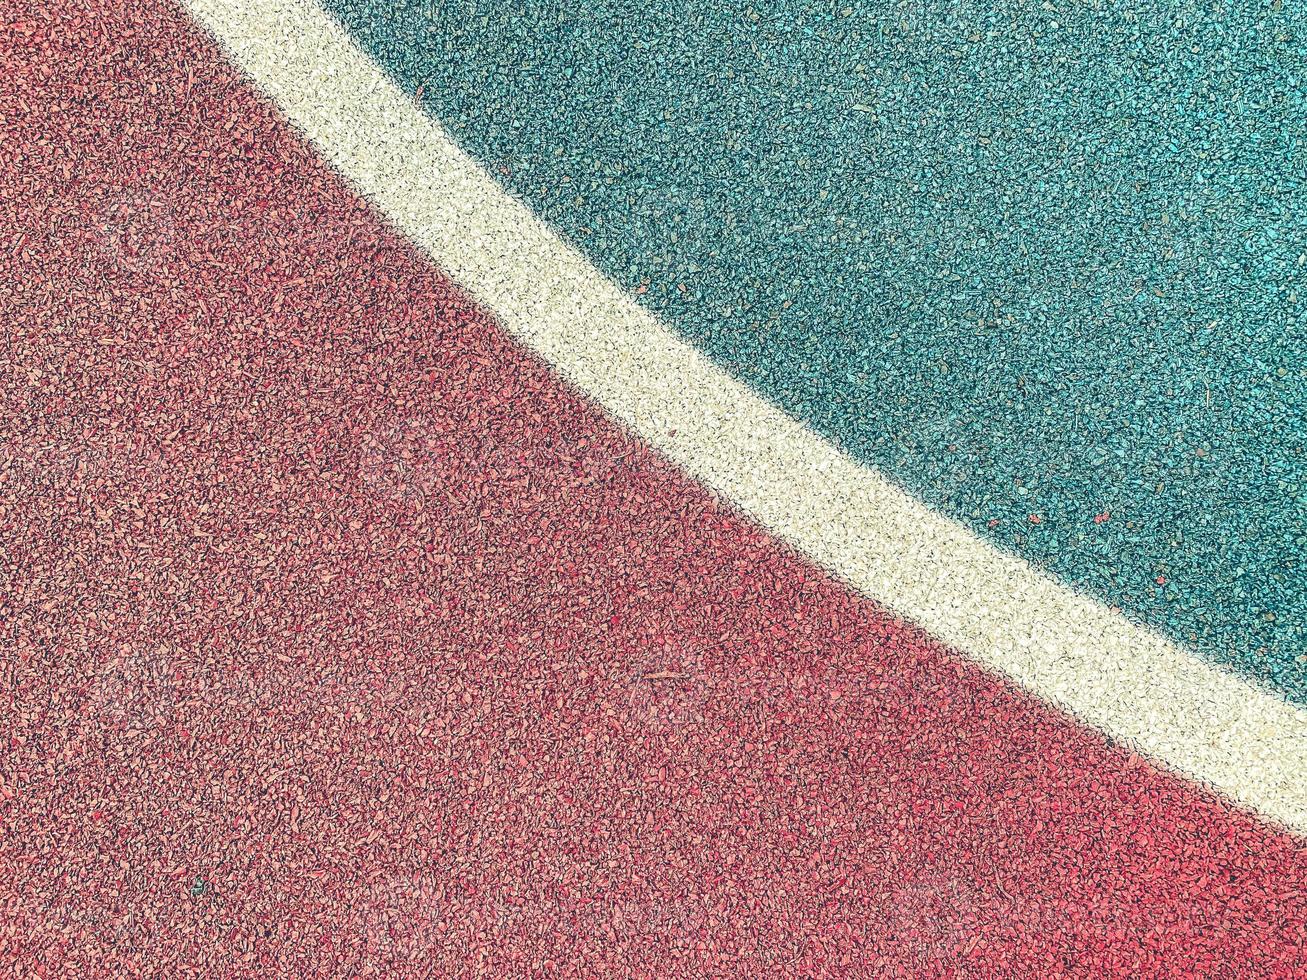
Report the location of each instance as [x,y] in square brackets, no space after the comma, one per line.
[1027,259]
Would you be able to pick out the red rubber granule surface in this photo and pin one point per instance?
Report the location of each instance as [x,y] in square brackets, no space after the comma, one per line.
[341,639]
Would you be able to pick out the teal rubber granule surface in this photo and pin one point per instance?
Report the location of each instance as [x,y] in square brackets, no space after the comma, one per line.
[1043,265]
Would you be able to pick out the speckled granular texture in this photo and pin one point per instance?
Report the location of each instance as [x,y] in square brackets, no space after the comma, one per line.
[1010,618]
[345,641]
[1041,263]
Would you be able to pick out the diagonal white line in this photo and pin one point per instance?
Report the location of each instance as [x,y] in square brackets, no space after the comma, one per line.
[1062,647]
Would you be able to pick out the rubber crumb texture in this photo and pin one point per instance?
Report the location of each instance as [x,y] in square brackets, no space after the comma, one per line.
[342,640]
[1036,262]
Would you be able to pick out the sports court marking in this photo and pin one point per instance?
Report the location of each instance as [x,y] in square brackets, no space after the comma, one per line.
[1062,647]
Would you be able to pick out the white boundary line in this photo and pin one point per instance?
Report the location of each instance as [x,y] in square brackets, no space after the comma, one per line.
[1062,647]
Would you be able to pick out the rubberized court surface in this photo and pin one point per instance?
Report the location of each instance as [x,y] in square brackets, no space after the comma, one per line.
[370,610]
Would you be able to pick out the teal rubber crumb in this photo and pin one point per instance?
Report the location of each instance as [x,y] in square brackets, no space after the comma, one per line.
[1041,264]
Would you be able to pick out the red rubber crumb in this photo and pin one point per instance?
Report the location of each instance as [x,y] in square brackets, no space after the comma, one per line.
[340,639]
